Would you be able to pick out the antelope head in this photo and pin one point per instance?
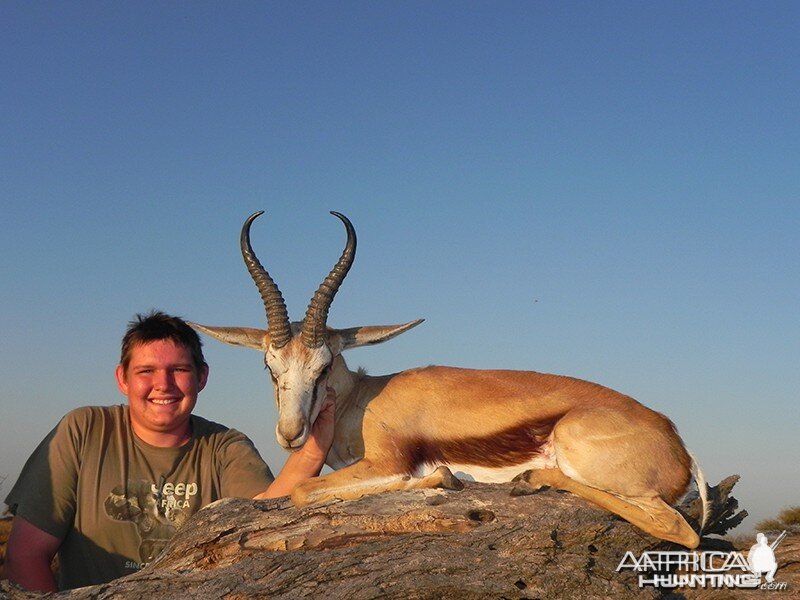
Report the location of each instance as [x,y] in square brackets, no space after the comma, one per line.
[300,356]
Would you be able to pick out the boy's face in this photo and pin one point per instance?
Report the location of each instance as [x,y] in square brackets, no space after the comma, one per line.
[161,383]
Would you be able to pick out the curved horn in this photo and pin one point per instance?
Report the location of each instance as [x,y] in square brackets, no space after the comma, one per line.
[315,321]
[277,316]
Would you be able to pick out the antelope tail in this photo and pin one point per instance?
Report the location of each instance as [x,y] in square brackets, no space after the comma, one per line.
[702,490]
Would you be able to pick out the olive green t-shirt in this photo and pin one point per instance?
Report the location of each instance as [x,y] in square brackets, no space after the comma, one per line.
[115,500]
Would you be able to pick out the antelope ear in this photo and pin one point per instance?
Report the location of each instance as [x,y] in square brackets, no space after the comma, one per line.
[344,339]
[249,337]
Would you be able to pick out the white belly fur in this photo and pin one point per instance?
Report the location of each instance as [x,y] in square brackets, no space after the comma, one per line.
[467,472]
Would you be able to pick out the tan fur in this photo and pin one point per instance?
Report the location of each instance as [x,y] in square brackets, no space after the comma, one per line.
[391,431]
[608,448]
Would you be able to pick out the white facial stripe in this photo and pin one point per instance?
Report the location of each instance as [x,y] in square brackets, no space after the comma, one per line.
[296,371]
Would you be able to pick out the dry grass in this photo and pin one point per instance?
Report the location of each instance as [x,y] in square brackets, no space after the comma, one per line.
[788,519]
[5,529]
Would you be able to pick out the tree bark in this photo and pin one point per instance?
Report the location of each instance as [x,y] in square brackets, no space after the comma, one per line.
[487,541]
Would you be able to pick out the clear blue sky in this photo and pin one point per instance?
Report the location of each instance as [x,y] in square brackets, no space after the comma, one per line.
[604,190]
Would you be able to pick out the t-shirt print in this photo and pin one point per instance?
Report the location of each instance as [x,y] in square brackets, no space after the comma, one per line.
[156,516]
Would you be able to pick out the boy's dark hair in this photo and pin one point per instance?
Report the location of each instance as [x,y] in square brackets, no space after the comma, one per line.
[157,325]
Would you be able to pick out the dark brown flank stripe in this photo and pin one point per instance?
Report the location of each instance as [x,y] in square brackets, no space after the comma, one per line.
[512,446]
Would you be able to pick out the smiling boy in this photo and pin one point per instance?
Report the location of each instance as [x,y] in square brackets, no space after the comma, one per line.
[110,485]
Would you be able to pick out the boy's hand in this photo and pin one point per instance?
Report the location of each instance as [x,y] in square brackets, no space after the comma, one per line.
[321,437]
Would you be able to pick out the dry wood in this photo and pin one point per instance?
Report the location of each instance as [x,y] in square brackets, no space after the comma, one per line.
[487,541]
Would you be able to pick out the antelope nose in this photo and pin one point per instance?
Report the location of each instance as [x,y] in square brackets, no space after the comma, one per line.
[291,432]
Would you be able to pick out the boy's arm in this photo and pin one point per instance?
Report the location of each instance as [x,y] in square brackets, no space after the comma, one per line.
[28,556]
[309,460]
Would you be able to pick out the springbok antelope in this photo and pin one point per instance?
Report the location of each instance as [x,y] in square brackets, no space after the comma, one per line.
[403,431]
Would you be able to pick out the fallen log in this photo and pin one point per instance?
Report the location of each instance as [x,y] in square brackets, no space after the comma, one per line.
[487,541]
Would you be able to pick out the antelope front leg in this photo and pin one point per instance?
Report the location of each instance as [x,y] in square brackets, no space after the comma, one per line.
[364,478]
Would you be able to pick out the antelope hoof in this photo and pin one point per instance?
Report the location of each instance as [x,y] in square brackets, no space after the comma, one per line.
[692,541]
[523,476]
[535,480]
[444,478]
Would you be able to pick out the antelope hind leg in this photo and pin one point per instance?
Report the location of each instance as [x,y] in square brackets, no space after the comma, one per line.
[650,514]
[363,479]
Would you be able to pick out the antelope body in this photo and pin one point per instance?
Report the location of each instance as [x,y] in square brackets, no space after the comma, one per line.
[414,428]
